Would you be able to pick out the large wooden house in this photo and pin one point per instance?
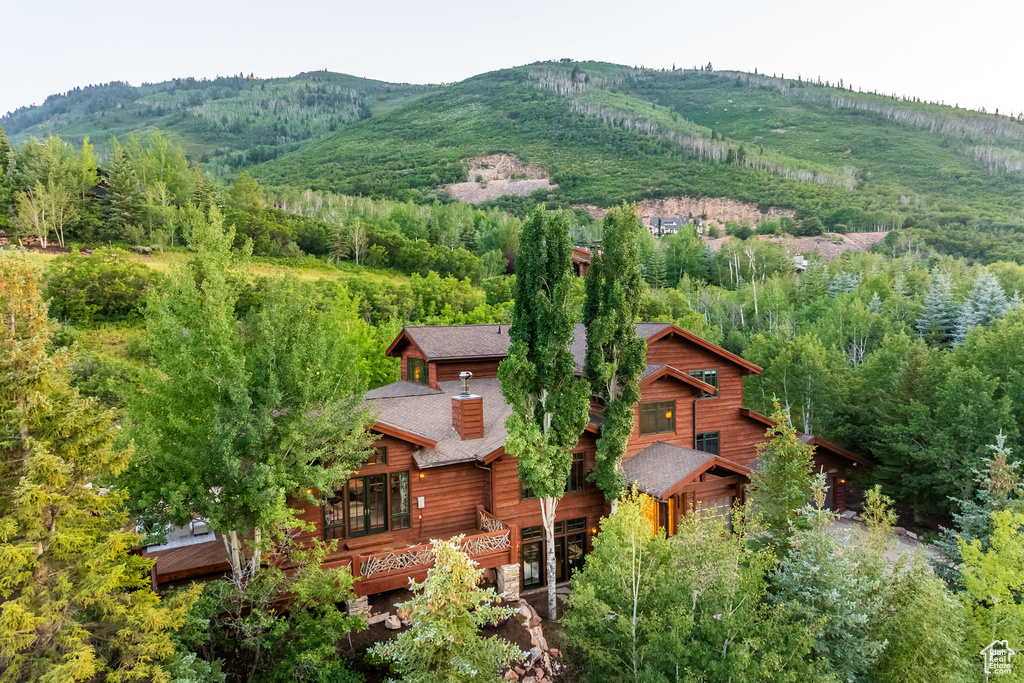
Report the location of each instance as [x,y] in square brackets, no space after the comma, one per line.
[440,468]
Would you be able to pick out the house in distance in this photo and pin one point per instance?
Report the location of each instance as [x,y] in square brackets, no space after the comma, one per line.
[440,469]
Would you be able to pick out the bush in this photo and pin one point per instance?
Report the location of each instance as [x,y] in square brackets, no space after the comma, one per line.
[105,287]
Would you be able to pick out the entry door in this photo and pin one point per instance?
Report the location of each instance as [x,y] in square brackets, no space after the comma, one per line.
[828,494]
[367,505]
[533,564]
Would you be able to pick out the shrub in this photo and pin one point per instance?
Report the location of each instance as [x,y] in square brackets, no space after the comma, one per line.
[105,287]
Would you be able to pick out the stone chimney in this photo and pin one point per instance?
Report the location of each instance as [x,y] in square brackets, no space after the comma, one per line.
[468,411]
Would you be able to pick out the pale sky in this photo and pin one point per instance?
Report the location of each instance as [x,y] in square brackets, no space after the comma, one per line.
[960,52]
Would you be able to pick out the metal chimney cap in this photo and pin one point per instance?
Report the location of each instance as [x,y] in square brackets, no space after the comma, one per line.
[465,376]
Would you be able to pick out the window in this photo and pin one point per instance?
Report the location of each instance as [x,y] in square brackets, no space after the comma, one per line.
[399,500]
[570,548]
[708,377]
[657,417]
[578,474]
[708,442]
[379,457]
[416,370]
[525,492]
[334,517]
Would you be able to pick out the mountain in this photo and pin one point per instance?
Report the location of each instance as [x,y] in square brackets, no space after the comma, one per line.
[599,133]
[607,133]
[227,122]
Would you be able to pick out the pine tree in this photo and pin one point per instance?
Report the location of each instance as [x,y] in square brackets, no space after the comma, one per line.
[75,605]
[985,303]
[538,378]
[656,268]
[937,322]
[125,201]
[616,355]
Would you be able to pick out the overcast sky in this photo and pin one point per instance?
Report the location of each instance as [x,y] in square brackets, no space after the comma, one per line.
[959,52]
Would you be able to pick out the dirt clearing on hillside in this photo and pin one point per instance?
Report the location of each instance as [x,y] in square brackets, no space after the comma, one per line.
[830,245]
[497,175]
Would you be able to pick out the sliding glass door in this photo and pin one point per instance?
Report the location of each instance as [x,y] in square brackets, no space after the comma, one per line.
[367,505]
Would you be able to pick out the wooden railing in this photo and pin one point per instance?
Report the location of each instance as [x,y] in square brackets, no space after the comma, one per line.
[385,571]
[485,521]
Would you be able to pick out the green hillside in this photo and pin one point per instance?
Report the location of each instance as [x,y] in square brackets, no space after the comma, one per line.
[226,122]
[608,133]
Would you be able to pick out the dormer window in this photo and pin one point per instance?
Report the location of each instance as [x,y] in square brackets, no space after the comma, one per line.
[657,417]
[416,370]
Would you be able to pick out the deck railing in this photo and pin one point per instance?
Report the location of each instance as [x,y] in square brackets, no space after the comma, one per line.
[488,522]
[420,557]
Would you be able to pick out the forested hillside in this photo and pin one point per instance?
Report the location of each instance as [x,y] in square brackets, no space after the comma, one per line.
[226,122]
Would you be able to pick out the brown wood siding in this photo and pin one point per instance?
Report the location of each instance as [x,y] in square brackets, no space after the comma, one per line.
[448,371]
[665,389]
[450,496]
[510,509]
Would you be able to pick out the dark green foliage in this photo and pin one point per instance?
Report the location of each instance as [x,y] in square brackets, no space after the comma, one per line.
[275,626]
[615,356]
[124,201]
[105,287]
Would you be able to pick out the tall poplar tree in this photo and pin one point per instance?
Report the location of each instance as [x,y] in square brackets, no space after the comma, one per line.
[616,355]
[75,604]
[538,378]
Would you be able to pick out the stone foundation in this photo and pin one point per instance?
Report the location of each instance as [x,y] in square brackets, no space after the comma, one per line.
[508,581]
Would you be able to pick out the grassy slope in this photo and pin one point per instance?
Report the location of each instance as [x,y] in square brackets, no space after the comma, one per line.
[411,150]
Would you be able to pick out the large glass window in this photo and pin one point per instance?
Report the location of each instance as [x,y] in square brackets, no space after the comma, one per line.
[708,377]
[416,370]
[400,500]
[657,417]
[570,549]
[708,442]
[379,456]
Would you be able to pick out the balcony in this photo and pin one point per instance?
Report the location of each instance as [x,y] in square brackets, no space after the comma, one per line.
[491,544]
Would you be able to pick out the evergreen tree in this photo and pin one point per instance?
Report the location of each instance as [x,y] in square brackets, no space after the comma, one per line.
[937,322]
[125,201]
[616,356]
[538,378]
[75,604]
[446,613]
[829,584]
[6,195]
[656,267]
[985,303]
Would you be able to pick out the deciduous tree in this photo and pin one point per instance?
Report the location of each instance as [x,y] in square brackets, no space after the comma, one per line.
[538,378]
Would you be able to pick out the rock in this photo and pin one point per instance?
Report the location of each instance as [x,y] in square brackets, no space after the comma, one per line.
[539,673]
[511,675]
[377,618]
[849,514]
[524,610]
[912,535]
[856,518]
[537,637]
[392,622]
[529,679]
[557,654]
[533,656]
[519,670]
[406,622]
[899,530]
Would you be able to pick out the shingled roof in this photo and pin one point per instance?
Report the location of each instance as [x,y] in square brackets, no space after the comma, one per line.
[429,416]
[662,466]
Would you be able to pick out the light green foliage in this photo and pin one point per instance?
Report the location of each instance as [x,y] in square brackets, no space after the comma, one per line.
[781,483]
[243,415]
[993,581]
[616,355]
[240,626]
[538,378]
[446,613]
[832,585]
[924,629]
[647,608]
[879,518]
[75,604]
[105,287]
